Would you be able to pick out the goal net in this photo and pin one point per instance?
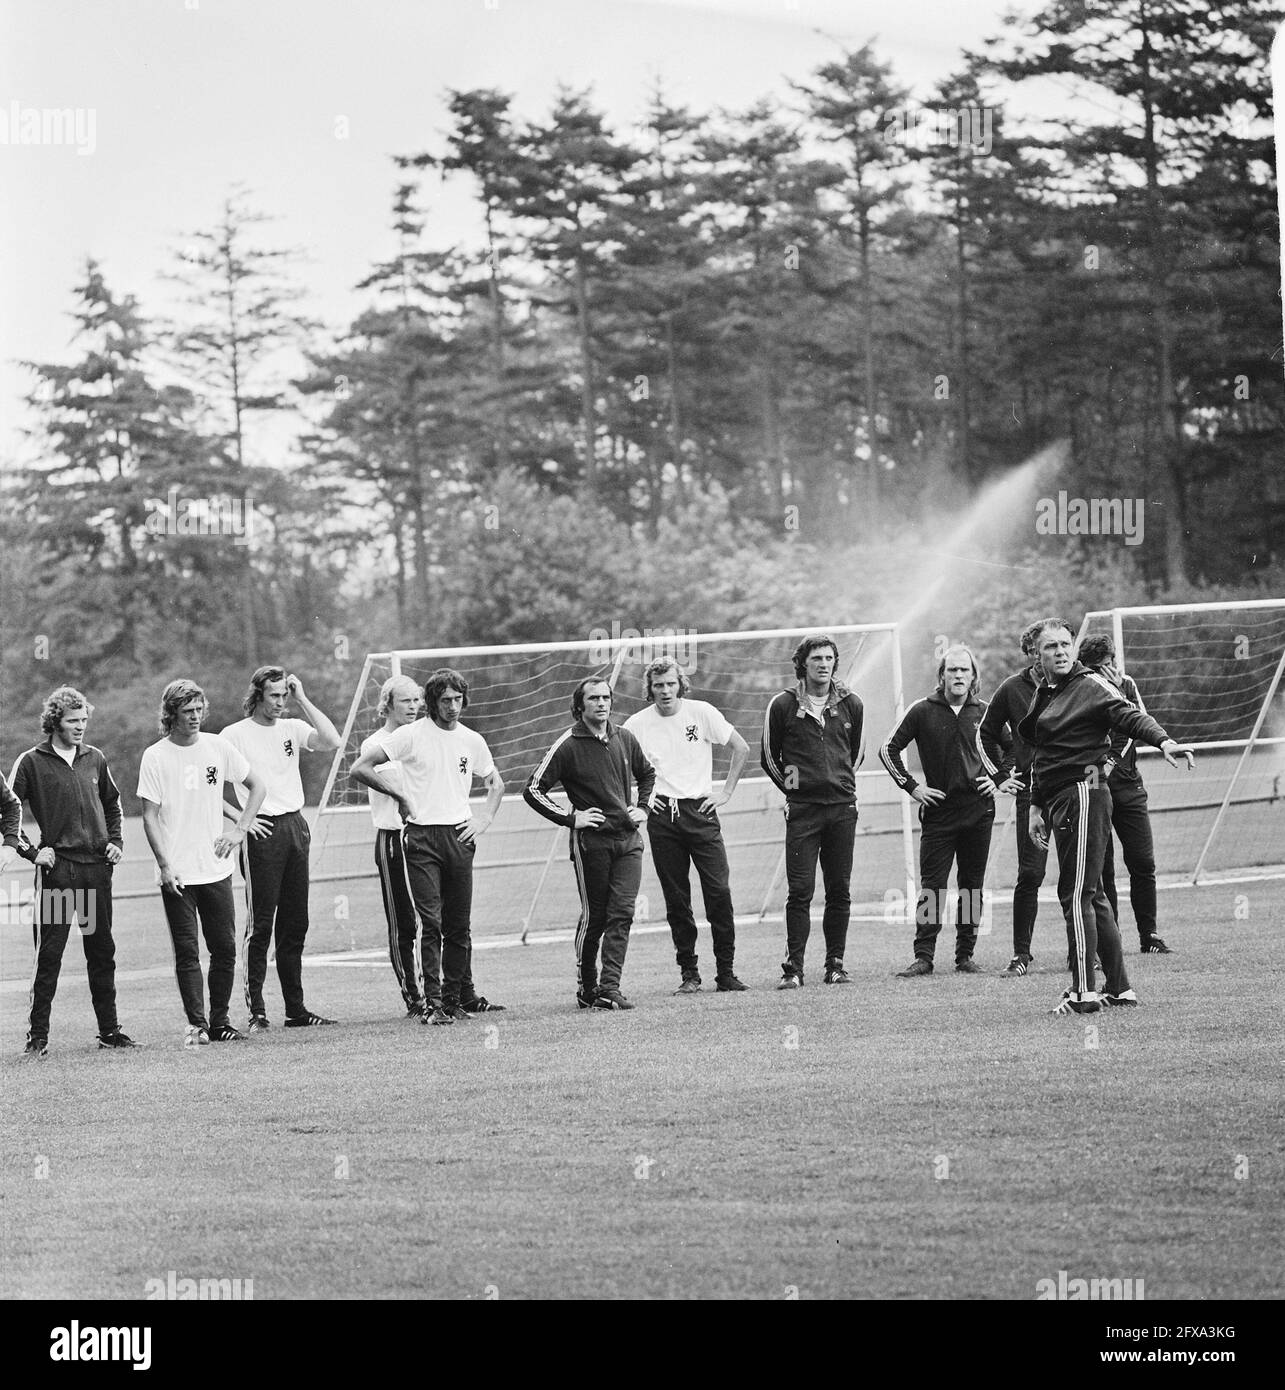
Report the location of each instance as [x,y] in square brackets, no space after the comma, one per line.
[1211,674]
[520,700]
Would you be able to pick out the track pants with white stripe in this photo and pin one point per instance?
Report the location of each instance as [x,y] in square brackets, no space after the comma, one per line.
[1081,820]
[399,911]
[608,875]
[72,892]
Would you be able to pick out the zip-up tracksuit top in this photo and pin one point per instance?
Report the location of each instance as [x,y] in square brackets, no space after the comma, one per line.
[592,773]
[947,744]
[810,761]
[1007,708]
[11,820]
[1070,726]
[77,803]
[1124,750]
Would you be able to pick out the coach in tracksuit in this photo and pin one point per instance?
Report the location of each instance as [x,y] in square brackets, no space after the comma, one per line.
[1069,726]
[811,747]
[76,803]
[956,806]
[1130,818]
[1006,760]
[594,761]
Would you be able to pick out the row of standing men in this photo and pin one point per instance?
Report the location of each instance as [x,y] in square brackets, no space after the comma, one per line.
[1066,750]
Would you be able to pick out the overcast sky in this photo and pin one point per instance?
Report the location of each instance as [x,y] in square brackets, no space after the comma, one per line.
[188,97]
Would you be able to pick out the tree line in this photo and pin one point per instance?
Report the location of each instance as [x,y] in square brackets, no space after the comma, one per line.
[686,369]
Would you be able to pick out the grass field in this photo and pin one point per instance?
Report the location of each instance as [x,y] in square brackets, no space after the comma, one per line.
[938,1138]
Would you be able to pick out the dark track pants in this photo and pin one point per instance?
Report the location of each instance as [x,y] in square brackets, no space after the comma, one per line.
[276,895]
[608,875]
[439,871]
[215,907]
[80,893]
[952,832]
[681,835]
[827,833]
[399,911]
[1032,863]
[1132,823]
[1081,820]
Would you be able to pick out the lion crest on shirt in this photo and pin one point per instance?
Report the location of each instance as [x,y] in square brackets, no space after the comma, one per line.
[690,731]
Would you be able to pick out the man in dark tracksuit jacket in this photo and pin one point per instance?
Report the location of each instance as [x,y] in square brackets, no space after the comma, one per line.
[594,761]
[1069,726]
[956,806]
[1130,818]
[76,802]
[811,748]
[1010,770]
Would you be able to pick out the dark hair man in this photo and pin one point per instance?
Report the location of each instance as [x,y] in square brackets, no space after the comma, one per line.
[1069,726]
[677,736]
[439,758]
[595,762]
[811,747]
[956,806]
[274,857]
[72,796]
[1006,760]
[1130,818]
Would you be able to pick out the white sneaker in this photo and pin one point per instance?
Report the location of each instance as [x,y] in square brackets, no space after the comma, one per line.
[195,1037]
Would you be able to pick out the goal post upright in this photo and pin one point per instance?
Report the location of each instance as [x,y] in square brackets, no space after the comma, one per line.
[353,706]
[907,823]
[1209,672]
[1240,764]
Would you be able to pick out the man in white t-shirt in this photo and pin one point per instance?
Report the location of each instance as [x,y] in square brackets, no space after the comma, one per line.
[274,858]
[180,782]
[439,758]
[678,735]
